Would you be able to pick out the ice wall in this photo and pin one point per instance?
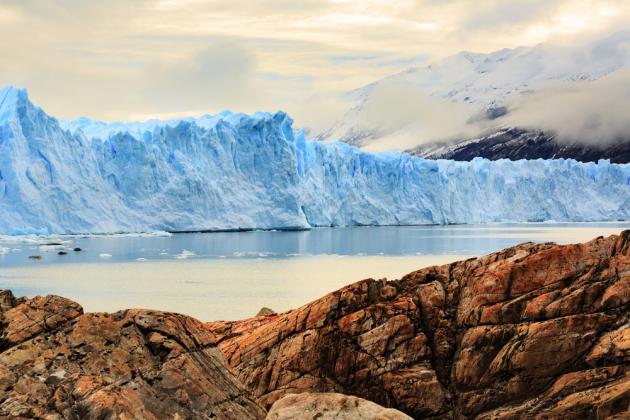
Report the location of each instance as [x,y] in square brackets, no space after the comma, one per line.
[235,171]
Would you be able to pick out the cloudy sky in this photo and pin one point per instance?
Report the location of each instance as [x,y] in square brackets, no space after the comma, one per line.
[134,59]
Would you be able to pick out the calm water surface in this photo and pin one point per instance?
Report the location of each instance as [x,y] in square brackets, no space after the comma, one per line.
[231,275]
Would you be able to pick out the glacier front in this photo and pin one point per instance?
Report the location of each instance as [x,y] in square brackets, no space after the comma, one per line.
[235,171]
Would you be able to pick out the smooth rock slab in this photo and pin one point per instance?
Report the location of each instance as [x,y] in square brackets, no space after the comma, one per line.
[330,406]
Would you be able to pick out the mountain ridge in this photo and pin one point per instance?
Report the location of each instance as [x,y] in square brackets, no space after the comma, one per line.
[483,85]
[515,144]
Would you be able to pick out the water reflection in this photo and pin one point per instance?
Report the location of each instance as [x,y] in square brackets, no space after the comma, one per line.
[358,241]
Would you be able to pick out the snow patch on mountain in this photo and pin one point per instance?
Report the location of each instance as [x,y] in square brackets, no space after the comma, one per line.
[484,83]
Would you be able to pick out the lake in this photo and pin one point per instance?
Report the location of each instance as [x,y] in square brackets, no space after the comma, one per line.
[231,275]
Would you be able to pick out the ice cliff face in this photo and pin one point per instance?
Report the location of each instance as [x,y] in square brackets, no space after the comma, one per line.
[237,171]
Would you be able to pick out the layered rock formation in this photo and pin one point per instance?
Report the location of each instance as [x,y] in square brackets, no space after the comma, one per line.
[57,362]
[537,329]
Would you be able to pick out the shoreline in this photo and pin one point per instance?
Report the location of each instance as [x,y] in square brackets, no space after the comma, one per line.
[505,224]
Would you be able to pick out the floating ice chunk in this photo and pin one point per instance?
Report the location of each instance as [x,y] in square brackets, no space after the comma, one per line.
[105,256]
[185,254]
[189,282]
[52,247]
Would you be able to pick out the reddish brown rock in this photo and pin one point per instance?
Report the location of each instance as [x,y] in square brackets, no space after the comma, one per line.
[264,311]
[57,362]
[537,330]
[534,331]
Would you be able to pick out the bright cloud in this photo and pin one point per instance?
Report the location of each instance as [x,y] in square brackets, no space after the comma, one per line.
[123,58]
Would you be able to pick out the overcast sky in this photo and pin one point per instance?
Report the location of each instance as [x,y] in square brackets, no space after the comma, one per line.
[134,59]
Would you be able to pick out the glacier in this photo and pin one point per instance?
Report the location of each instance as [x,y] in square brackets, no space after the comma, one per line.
[237,171]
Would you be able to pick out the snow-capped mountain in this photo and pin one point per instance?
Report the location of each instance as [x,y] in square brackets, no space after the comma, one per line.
[242,171]
[515,144]
[484,83]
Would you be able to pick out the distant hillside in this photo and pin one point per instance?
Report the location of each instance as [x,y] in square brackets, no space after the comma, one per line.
[515,144]
[482,85]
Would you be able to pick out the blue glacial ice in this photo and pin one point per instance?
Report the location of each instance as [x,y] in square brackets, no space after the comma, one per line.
[235,171]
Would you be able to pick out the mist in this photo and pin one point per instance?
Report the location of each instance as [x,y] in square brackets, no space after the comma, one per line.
[587,112]
[399,116]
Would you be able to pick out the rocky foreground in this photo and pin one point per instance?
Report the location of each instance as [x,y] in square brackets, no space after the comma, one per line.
[537,330]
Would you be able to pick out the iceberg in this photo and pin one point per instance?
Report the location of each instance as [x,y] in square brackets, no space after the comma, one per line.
[237,171]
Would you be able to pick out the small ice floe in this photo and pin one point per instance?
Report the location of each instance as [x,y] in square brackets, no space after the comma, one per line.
[105,255]
[28,239]
[141,259]
[53,243]
[4,250]
[239,254]
[51,247]
[154,234]
[163,254]
[157,233]
[189,282]
[16,250]
[185,254]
